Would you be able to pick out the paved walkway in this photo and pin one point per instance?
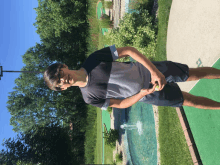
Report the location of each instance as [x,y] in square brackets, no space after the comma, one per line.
[193,38]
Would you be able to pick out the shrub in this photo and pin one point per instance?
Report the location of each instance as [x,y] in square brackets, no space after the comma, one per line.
[111,137]
[105,21]
[119,157]
[107,4]
[109,109]
[135,30]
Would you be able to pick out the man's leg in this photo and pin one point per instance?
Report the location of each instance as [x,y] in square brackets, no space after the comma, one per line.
[203,73]
[199,102]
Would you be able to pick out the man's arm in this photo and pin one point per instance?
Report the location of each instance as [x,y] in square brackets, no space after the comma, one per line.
[125,103]
[117,103]
[123,51]
[138,56]
[131,100]
[156,75]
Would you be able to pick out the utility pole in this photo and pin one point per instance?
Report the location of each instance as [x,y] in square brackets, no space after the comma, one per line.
[1,71]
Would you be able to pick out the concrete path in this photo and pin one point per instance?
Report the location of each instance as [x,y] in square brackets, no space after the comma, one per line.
[193,36]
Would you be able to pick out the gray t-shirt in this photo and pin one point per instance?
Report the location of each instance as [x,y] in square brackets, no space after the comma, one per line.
[108,78]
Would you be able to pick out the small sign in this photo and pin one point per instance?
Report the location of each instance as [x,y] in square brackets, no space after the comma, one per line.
[1,72]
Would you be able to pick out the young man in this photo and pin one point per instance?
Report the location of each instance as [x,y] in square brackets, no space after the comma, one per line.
[105,82]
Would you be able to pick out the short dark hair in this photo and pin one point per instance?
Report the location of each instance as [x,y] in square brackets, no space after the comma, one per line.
[51,76]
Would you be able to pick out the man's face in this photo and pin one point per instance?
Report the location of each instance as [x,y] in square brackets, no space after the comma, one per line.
[65,79]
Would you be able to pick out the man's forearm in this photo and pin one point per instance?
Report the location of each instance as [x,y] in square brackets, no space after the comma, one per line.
[139,57]
[131,100]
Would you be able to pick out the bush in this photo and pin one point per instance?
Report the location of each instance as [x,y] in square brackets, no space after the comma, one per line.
[105,21]
[107,4]
[109,109]
[119,157]
[111,137]
[135,30]
[23,163]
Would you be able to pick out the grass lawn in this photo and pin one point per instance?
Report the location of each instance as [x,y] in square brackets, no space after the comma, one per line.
[173,146]
[98,148]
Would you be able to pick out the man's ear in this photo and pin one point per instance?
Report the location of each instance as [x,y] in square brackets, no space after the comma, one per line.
[62,80]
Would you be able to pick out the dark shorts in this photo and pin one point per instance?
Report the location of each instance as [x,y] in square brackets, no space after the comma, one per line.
[171,94]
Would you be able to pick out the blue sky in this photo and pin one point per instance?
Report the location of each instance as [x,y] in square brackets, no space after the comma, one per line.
[17,35]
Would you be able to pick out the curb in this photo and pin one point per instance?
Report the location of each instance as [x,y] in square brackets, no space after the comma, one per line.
[189,137]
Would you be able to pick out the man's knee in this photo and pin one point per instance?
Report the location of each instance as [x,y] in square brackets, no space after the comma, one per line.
[189,99]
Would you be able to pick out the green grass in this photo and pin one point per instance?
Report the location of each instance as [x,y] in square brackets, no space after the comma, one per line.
[98,148]
[173,146]
[163,18]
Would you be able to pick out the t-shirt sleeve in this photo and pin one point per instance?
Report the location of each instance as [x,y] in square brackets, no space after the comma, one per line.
[101,103]
[106,104]
[107,54]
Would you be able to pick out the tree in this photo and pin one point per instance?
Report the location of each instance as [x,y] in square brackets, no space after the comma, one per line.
[32,102]
[16,150]
[136,30]
[46,145]
[55,16]
[63,30]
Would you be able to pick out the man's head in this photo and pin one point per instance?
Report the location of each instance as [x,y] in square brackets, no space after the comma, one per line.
[58,77]
[54,75]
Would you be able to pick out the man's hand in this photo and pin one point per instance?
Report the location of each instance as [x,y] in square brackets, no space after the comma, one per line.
[156,75]
[159,79]
[144,92]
